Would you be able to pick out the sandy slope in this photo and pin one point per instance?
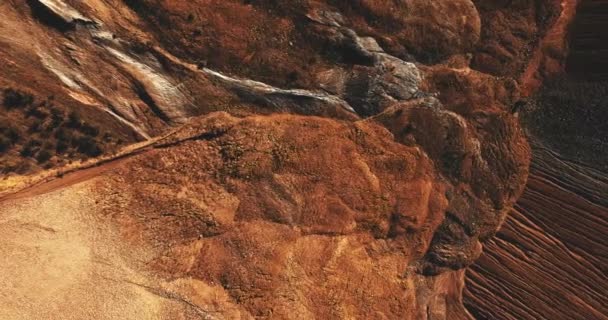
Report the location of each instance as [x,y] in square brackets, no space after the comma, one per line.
[59,261]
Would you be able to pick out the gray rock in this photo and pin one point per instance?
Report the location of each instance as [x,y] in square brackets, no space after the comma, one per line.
[377,81]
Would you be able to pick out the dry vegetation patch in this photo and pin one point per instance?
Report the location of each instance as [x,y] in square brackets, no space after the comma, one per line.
[39,133]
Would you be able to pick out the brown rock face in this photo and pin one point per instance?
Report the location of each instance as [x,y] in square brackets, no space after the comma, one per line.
[429,31]
[297,159]
[511,33]
[264,210]
[474,211]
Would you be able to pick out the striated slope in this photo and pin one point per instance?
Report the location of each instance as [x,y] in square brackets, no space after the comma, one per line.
[549,260]
[356,170]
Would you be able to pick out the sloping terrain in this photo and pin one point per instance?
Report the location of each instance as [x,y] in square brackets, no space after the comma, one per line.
[587,59]
[295,160]
[258,209]
[60,262]
[131,69]
[549,259]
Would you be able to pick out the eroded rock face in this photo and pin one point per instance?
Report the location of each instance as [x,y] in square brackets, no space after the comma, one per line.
[483,191]
[288,214]
[356,167]
[511,33]
[141,67]
[429,31]
[270,207]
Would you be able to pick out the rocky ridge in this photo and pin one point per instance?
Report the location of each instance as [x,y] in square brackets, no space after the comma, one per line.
[363,193]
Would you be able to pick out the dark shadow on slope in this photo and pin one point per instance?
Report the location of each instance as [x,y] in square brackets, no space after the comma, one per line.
[571,117]
[49,18]
[144,96]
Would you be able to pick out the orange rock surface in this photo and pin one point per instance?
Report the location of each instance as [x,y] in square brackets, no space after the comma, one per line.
[310,159]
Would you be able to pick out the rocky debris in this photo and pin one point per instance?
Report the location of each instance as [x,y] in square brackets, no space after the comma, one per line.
[380,79]
[285,100]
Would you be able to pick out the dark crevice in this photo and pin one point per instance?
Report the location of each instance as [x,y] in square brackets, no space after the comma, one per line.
[476,313]
[205,136]
[144,96]
[452,218]
[49,18]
